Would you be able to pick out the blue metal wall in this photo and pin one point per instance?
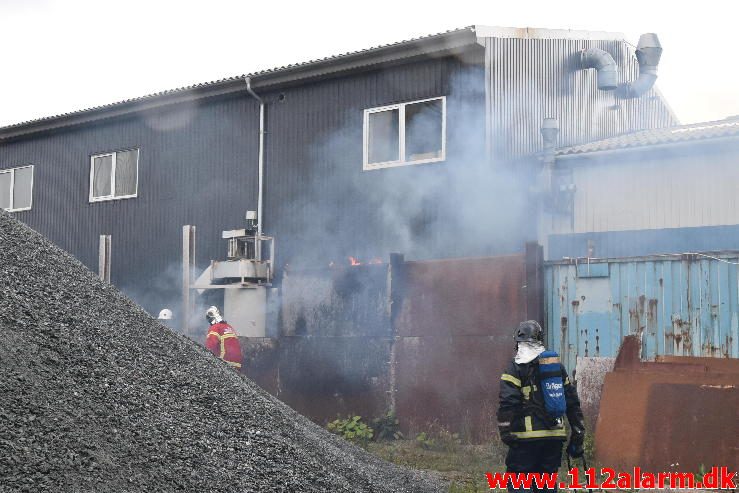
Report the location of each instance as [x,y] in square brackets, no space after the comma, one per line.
[679,305]
[635,243]
[650,200]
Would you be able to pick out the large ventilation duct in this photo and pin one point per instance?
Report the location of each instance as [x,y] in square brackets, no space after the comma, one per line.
[648,53]
[603,62]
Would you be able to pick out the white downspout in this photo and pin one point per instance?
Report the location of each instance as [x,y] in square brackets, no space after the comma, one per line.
[260,193]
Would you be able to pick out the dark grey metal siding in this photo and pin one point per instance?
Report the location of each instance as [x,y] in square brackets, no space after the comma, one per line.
[323,207]
[197,165]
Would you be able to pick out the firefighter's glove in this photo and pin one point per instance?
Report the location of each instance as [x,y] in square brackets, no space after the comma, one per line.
[574,450]
[577,439]
[504,428]
[509,439]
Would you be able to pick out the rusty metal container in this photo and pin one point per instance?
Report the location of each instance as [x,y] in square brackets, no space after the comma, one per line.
[675,414]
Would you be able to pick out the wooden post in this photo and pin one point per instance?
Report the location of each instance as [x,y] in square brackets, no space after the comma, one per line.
[396,292]
[188,263]
[104,251]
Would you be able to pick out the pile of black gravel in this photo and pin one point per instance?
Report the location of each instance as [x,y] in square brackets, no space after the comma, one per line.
[95,395]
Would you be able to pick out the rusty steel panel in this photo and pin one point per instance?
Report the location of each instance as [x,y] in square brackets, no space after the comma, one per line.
[455,331]
[682,305]
[463,297]
[683,410]
[428,339]
[452,382]
[697,423]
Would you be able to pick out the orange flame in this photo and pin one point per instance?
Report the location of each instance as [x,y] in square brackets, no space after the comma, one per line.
[354,261]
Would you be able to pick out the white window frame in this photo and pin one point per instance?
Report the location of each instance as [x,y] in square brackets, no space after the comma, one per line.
[114,154]
[366,165]
[12,186]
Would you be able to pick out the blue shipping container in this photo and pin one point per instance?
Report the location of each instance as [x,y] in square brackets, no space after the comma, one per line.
[678,304]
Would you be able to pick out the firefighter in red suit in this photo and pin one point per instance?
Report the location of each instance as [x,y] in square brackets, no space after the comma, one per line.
[222,339]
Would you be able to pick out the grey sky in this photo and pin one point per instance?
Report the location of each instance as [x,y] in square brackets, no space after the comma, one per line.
[61,56]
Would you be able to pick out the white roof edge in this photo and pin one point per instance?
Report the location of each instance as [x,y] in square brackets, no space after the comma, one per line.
[543,33]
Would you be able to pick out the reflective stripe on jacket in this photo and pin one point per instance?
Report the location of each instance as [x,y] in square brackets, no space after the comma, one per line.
[223,341]
[521,410]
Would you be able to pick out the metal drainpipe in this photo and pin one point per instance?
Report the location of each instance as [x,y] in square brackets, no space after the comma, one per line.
[260,193]
[549,132]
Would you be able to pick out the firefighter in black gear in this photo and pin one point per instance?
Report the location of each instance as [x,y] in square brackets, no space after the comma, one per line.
[534,438]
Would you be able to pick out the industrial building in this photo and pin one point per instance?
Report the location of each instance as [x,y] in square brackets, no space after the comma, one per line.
[649,244]
[412,142]
[399,198]
[667,190]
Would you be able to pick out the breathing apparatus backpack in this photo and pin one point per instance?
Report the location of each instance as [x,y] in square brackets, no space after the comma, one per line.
[552,385]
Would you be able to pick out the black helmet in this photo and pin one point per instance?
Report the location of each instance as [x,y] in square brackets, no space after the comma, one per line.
[529,331]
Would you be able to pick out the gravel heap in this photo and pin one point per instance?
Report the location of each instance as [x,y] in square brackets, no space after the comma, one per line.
[95,395]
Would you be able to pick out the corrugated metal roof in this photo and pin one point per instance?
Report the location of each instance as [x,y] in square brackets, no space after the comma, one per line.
[239,78]
[657,136]
[447,40]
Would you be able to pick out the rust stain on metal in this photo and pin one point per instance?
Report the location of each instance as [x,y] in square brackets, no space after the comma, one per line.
[725,348]
[652,312]
[681,336]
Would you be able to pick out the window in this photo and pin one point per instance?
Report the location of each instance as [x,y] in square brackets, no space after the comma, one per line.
[16,188]
[114,175]
[405,133]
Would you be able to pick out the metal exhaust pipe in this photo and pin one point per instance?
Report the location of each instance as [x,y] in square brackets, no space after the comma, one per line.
[648,53]
[603,62]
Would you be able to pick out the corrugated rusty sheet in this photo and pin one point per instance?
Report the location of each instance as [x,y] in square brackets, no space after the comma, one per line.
[678,305]
[675,414]
[454,337]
